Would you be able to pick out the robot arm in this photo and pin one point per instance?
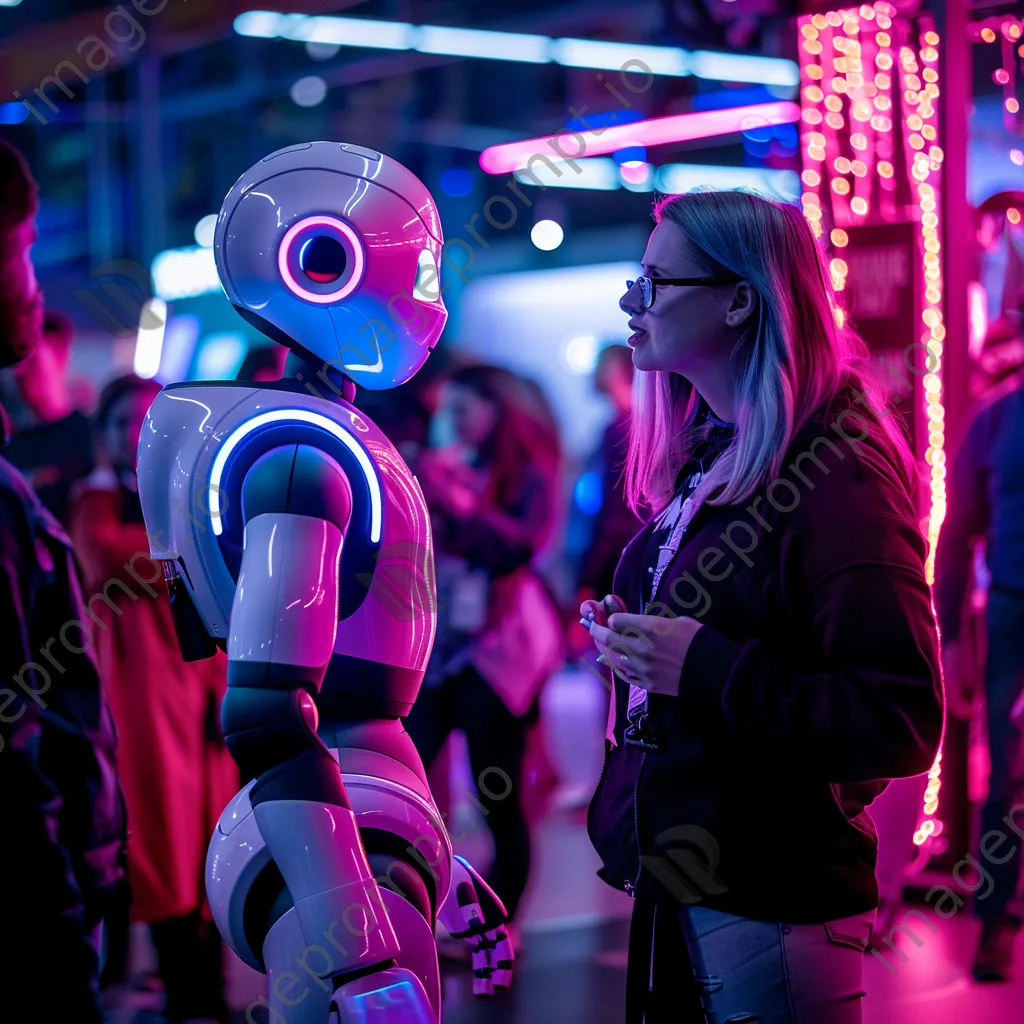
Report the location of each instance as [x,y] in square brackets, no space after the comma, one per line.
[473,912]
[296,504]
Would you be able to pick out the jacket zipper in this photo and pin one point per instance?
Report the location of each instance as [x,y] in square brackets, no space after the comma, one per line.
[604,767]
[629,886]
[608,747]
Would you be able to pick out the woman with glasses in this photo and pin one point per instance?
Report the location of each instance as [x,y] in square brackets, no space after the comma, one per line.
[771,637]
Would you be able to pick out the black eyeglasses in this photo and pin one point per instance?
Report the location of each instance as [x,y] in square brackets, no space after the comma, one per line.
[647,284]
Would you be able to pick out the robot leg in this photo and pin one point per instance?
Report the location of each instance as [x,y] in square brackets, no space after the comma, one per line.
[297,990]
[305,820]
[318,850]
[300,989]
[409,854]
[396,813]
[253,911]
[409,992]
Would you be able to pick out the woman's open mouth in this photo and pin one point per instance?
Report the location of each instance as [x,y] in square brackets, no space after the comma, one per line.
[636,337]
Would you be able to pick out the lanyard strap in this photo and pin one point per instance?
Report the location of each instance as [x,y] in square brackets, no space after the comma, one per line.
[637,703]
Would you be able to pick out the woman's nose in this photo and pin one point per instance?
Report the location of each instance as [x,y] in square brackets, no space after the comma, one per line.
[628,303]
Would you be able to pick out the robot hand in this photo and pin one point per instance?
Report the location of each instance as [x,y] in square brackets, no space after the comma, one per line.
[473,912]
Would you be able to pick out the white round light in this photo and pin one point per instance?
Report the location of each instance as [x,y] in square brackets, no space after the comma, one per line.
[547,234]
[204,230]
[580,353]
[309,91]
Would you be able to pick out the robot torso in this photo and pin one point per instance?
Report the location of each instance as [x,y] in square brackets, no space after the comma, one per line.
[198,442]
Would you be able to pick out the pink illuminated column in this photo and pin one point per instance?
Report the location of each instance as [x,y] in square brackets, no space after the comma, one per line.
[872,156]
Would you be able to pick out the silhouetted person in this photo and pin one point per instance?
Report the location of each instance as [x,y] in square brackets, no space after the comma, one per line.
[985,500]
[178,775]
[55,450]
[62,848]
[615,523]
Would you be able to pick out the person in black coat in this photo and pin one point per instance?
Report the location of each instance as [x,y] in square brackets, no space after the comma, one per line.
[771,633]
[986,501]
[615,522]
[62,848]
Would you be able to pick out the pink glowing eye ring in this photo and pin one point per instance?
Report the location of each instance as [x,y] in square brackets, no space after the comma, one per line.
[321,259]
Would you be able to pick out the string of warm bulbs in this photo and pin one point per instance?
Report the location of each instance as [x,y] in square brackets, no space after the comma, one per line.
[856,65]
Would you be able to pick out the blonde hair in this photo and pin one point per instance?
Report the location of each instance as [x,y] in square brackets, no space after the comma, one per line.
[796,358]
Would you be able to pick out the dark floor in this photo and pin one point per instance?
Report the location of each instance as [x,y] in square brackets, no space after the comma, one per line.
[577,976]
[564,976]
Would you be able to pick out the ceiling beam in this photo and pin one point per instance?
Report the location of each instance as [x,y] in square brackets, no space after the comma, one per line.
[30,56]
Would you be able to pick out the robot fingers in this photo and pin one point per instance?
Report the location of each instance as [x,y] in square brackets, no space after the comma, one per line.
[503,957]
[492,961]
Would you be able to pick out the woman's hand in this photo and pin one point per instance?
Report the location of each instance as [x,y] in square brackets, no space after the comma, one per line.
[598,611]
[646,650]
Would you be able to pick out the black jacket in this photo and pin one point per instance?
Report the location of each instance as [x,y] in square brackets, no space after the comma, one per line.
[62,842]
[814,680]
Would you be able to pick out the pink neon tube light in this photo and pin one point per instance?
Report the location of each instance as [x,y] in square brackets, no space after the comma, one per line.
[656,131]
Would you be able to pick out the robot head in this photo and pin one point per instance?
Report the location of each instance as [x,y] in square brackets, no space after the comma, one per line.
[335,250]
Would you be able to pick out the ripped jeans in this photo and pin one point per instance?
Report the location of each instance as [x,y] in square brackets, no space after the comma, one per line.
[749,972]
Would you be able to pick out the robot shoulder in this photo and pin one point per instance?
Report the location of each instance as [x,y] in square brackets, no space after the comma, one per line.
[300,479]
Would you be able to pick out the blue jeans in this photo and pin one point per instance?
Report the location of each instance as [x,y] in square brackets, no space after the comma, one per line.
[748,972]
[1004,680]
[775,973]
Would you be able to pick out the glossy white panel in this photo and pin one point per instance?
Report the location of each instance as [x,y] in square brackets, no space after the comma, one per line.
[295,989]
[396,621]
[185,432]
[232,863]
[320,855]
[285,609]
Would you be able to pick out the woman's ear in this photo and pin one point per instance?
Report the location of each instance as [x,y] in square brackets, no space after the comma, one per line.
[742,306]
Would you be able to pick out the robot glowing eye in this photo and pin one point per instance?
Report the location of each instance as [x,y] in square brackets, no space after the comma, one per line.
[321,259]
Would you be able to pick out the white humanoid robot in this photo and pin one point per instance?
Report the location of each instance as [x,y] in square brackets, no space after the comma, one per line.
[294,537]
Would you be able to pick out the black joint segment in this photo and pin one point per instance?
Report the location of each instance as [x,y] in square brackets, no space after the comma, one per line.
[264,327]
[264,675]
[265,728]
[299,479]
[312,776]
[393,868]
[362,972]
